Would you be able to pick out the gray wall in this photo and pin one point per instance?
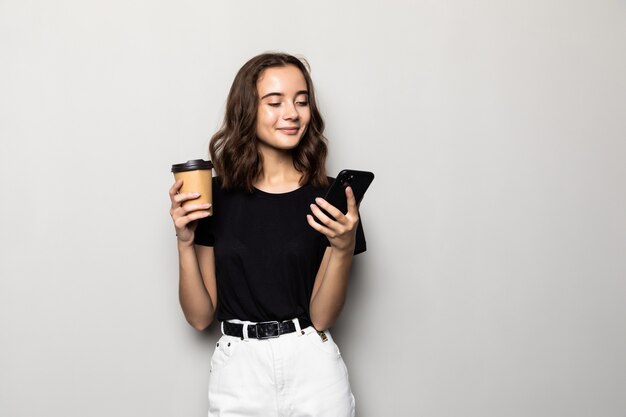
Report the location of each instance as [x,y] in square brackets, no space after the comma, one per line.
[494,283]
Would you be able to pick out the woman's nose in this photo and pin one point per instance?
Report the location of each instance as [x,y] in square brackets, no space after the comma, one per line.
[291,112]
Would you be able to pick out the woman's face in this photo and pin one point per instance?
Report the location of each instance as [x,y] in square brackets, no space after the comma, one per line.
[283,112]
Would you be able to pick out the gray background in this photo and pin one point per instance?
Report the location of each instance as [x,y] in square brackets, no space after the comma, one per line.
[494,283]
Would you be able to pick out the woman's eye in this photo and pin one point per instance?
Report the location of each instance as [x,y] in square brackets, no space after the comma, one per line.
[302,100]
[273,104]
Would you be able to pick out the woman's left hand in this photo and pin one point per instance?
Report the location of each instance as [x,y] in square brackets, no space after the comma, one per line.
[341,232]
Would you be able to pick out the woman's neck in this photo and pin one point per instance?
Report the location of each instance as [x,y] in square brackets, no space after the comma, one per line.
[278,174]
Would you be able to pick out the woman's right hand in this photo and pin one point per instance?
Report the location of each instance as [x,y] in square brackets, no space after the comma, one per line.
[185,217]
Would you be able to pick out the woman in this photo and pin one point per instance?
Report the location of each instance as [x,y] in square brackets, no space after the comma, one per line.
[262,265]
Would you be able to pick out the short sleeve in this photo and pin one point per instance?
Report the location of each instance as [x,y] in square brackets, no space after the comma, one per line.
[204,232]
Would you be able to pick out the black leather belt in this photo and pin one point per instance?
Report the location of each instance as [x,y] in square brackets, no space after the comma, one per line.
[263,330]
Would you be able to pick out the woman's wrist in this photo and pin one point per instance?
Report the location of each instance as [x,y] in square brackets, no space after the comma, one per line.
[184,244]
[347,252]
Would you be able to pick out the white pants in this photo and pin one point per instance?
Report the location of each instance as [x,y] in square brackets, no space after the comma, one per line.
[294,375]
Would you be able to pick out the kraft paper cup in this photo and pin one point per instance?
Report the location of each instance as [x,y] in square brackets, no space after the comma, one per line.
[197,176]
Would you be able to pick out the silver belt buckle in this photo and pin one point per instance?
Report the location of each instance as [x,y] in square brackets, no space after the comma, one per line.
[268,335]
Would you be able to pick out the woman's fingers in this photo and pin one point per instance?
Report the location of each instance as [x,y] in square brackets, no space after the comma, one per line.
[335,212]
[328,226]
[186,225]
[341,232]
[342,223]
[344,219]
[320,215]
[177,197]
[189,208]
[183,221]
[175,188]
[320,228]
[185,212]
[181,198]
[352,206]
[181,211]
[330,209]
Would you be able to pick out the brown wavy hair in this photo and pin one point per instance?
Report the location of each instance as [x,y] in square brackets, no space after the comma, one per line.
[233,148]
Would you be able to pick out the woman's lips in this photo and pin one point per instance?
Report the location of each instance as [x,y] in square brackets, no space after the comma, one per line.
[289,130]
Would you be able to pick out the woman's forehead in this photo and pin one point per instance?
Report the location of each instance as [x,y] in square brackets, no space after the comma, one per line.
[281,80]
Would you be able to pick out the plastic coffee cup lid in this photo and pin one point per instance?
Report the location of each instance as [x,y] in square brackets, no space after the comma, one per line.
[192,165]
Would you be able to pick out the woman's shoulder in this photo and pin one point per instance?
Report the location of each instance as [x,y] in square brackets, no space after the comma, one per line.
[330,182]
[218,184]
[319,191]
[218,188]
[321,187]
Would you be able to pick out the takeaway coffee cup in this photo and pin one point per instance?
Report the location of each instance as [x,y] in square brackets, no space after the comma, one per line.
[197,176]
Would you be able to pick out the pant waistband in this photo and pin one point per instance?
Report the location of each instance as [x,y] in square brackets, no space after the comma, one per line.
[262,330]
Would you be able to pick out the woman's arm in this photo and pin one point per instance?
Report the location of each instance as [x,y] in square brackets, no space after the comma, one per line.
[196,289]
[330,289]
[331,282]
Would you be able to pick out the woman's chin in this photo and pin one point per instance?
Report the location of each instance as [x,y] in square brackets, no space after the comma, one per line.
[282,145]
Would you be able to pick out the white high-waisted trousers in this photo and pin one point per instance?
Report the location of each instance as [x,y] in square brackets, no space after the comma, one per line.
[295,375]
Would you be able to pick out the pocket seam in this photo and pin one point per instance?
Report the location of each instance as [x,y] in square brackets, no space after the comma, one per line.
[317,344]
[228,356]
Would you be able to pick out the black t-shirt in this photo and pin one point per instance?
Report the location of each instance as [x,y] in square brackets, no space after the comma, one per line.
[266,253]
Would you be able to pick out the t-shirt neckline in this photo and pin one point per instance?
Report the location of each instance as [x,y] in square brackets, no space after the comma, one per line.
[278,195]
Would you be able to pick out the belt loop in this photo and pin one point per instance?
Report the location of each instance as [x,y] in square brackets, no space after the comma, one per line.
[244,331]
[296,323]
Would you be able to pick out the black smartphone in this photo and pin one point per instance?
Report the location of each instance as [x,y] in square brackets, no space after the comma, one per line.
[359,181]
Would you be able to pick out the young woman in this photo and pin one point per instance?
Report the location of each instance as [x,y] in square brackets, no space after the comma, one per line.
[262,265]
